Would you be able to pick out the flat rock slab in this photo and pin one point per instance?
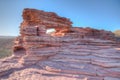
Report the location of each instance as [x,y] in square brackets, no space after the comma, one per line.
[73,68]
[111,78]
[68,62]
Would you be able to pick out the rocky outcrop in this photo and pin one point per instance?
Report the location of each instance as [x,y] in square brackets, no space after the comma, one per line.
[34,36]
[94,33]
[49,48]
[41,19]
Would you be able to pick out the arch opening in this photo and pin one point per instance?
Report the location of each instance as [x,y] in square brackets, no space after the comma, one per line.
[50,30]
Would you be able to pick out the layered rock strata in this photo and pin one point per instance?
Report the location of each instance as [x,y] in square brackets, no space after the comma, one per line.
[68,53]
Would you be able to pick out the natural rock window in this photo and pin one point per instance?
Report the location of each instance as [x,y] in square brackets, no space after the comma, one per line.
[50,31]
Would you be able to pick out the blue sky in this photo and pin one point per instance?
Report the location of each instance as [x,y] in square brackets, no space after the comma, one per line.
[99,14]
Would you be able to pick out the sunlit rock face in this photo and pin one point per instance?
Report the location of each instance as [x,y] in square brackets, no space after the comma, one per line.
[93,33]
[41,29]
[33,17]
[49,48]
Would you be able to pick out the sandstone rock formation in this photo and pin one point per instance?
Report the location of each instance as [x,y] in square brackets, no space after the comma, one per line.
[94,33]
[66,53]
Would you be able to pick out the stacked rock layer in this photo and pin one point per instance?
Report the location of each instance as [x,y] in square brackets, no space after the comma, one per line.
[69,53]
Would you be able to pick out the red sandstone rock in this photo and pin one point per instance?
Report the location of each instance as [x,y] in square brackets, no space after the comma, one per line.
[69,53]
[94,33]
